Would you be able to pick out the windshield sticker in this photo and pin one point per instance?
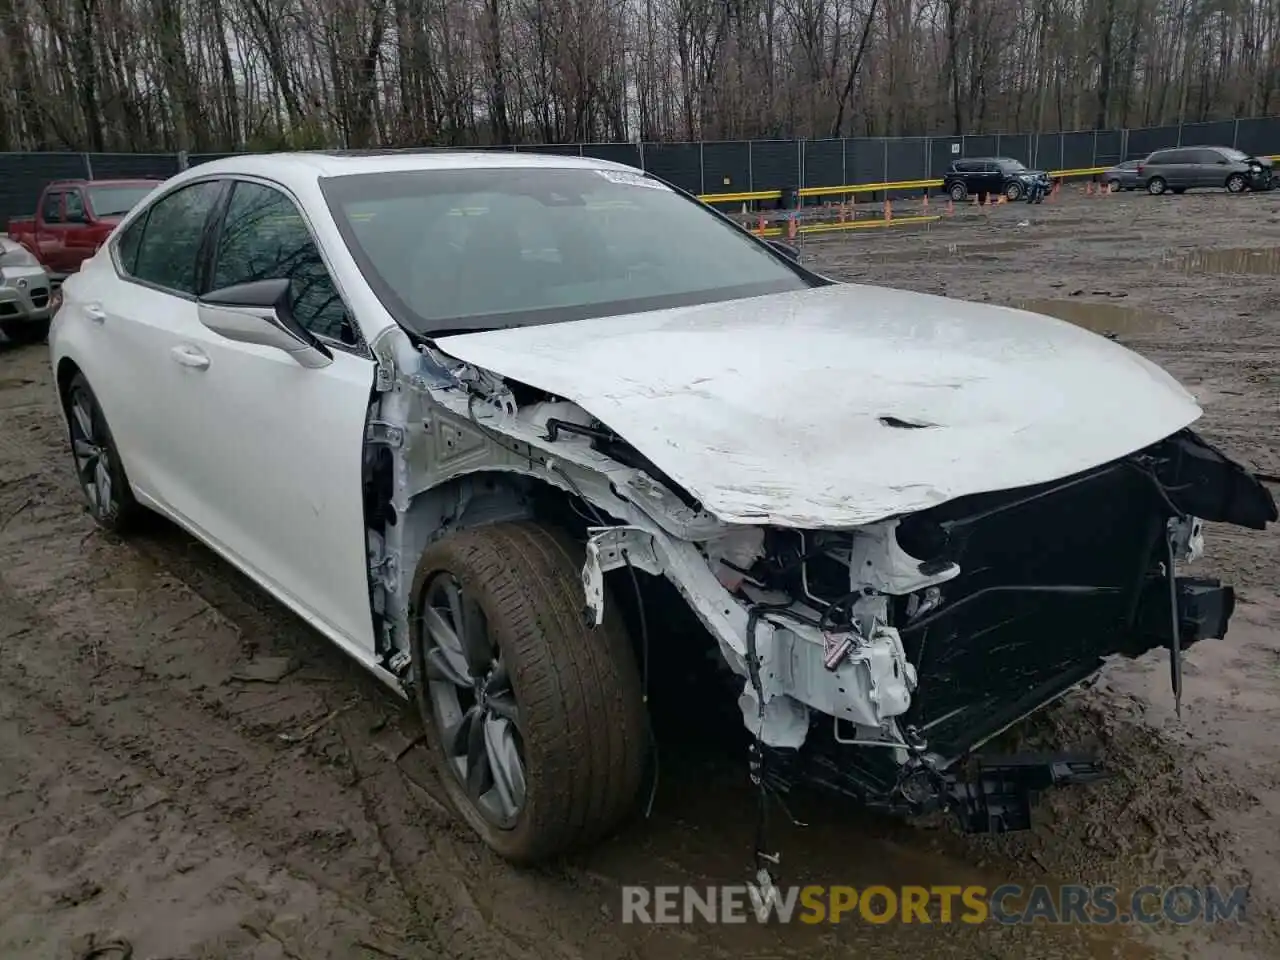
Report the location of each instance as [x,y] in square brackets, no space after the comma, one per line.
[628,179]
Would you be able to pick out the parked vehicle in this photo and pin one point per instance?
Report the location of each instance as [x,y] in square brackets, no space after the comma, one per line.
[26,295]
[991,176]
[1123,176]
[451,407]
[1183,168]
[74,217]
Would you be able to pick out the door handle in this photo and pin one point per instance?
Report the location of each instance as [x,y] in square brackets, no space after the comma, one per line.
[95,312]
[190,357]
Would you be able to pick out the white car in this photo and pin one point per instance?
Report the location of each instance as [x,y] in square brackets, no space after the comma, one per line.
[27,297]
[465,414]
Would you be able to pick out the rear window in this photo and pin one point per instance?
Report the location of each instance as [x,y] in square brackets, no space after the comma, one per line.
[118,200]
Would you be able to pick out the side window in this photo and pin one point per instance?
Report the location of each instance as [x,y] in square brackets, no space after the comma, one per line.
[51,212]
[129,242]
[265,238]
[168,253]
[1209,156]
[74,209]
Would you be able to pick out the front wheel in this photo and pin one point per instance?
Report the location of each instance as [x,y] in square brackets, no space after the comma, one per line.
[1236,183]
[1013,192]
[1156,186]
[536,719]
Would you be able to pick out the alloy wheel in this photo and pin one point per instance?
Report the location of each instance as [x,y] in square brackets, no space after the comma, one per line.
[472,701]
[92,453]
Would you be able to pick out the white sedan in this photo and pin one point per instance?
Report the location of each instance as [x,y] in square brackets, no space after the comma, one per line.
[473,416]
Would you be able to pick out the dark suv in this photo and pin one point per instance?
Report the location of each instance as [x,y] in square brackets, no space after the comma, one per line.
[987,176]
[1182,168]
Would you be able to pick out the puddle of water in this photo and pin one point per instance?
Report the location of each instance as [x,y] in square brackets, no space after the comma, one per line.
[975,251]
[1098,317]
[1264,261]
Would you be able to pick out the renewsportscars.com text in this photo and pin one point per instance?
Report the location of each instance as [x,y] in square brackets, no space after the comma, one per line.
[1007,904]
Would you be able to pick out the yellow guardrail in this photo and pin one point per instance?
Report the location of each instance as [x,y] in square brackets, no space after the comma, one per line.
[808,228]
[846,189]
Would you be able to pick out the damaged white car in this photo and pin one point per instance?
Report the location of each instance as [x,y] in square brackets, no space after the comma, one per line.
[464,412]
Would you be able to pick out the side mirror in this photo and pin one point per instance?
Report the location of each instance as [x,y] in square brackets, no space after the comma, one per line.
[786,249]
[261,313]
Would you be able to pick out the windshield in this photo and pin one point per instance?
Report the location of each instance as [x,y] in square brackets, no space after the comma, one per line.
[1232,154]
[471,249]
[117,201]
[1012,165]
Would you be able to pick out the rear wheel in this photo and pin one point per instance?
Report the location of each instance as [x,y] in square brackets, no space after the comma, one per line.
[536,719]
[1113,185]
[1156,186]
[1236,183]
[99,469]
[958,192]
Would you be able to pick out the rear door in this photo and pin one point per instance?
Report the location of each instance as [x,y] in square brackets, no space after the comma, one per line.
[51,229]
[1183,172]
[271,451]
[145,302]
[80,241]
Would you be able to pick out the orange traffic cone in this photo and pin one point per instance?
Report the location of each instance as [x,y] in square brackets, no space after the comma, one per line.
[888,210]
[791,227]
[951,207]
[760,225]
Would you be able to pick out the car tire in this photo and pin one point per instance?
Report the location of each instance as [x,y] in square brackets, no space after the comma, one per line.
[1013,192]
[27,331]
[99,469]
[1236,183]
[1156,186]
[1114,186]
[958,192]
[545,753]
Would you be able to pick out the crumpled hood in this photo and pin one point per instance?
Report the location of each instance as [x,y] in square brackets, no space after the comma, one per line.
[842,405]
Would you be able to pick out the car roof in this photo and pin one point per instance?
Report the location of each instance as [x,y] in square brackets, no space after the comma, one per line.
[311,165]
[133,182]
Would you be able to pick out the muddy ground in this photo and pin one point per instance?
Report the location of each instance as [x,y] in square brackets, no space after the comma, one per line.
[154,793]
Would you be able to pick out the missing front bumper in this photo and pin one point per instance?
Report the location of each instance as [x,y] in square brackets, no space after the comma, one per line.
[993,794]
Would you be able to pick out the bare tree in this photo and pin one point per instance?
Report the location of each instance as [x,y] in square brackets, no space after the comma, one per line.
[235,74]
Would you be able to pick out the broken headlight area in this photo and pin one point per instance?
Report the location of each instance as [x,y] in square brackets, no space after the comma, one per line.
[895,651]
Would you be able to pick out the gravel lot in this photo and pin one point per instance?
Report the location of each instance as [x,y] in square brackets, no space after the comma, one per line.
[152,790]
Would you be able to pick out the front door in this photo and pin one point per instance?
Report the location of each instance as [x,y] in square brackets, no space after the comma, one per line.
[276,449]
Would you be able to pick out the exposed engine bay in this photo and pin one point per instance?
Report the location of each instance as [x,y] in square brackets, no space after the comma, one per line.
[871,659]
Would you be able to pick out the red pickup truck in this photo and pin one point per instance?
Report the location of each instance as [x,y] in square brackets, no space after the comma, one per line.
[74,218]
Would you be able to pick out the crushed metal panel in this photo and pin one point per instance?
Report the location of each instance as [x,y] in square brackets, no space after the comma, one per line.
[772,410]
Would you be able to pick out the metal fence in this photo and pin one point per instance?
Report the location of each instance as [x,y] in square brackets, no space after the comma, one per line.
[735,166]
